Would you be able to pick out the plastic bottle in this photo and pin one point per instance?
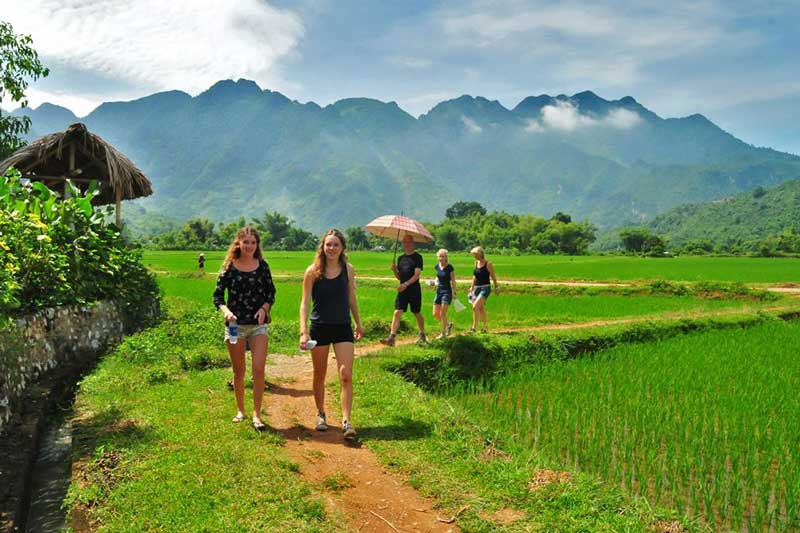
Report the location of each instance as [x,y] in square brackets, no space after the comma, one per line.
[310,343]
[233,332]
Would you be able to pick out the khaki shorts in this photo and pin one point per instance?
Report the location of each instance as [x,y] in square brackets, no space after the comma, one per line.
[245,331]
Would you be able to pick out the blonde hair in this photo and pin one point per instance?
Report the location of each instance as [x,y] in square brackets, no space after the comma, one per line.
[442,251]
[319,260]
[477,251]
[235,250]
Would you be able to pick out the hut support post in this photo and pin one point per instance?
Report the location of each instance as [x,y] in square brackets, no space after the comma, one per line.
[71,168]
[119,207]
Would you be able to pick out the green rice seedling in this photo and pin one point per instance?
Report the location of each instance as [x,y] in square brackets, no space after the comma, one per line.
[530,267]
[706,422]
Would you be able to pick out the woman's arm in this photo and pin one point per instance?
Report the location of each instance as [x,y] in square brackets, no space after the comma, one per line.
[308,284]
[269,295]
[453,281]
[490,267]
[223,282]
[351,282]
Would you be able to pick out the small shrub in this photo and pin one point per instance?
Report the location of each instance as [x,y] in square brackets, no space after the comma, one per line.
[201,360]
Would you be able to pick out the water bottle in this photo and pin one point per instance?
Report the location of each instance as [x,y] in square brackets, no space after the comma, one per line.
[471,297]
[310,343]
[233,332]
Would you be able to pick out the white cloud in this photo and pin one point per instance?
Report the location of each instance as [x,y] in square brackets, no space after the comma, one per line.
[533,126]
[622,118]
[565,116]
[471,124]
[411,62]
[80,105]
[156,45]
[600,44]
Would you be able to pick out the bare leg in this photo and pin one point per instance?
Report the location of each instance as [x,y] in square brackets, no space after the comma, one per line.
[420,322]
[319,357]
[443,318]
[344,361]
[479,311]
[396,321]
[236,352]
[475,312]
[258,349]
[437,309]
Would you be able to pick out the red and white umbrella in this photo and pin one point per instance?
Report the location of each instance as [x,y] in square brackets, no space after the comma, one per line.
[397,227]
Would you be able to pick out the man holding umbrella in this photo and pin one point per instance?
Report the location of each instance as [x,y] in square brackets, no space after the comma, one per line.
[407,270]
[409,293]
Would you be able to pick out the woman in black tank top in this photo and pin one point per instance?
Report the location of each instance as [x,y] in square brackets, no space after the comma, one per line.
[329,284]
[481,288]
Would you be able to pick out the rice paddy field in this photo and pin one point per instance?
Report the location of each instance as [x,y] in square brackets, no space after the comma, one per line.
[702,428]
[751,270]
[706,423]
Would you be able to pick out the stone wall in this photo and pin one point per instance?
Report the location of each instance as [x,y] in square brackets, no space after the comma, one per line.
[53,338]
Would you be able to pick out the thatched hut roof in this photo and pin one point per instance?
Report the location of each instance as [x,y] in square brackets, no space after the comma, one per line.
[82,157]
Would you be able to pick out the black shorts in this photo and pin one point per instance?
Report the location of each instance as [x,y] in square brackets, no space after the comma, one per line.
[412,296]
[326,334]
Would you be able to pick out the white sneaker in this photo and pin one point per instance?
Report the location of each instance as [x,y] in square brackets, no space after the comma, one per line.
[322,425]
[348,431]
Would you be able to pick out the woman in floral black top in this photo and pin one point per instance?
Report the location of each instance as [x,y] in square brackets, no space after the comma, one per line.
[251,293]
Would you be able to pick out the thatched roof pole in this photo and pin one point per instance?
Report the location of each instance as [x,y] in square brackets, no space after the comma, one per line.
[88,157]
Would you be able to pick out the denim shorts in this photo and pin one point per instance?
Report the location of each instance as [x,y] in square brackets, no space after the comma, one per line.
[482,290]
[245,331]
[443,297]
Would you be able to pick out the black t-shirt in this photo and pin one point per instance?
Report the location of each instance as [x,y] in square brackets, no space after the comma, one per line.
[247,291]
[406,265]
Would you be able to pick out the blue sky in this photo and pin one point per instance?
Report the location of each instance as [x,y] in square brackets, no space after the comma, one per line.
[733,61]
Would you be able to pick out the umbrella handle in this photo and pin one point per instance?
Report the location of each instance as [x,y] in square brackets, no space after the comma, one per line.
[394,254]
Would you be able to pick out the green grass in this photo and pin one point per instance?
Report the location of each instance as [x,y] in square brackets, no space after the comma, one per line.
[518,308]
[155,448]
[707,423]
[532,267]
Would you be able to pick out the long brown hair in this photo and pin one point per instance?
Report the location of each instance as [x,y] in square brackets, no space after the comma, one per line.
[319,260]
[235,250]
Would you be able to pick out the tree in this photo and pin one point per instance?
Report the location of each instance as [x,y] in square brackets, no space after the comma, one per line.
[18,61]
[198,231]
[273,227]
[357,238]
[633,239]
[464,209]
[562,217]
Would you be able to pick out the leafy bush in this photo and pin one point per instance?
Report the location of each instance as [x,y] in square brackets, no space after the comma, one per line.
[59,252]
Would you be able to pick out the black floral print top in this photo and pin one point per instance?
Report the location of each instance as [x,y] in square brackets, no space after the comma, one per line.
[247,291]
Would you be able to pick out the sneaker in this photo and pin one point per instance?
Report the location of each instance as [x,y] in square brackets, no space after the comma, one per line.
[449,328]
[484,331]
[347,431]
[388,341]
[440,336]
[422,339]
[322,425]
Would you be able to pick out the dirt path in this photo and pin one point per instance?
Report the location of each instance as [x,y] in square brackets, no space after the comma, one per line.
[375,500]
[370,498]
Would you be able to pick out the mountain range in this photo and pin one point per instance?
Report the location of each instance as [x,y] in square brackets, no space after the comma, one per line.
[740,221]
[236,149]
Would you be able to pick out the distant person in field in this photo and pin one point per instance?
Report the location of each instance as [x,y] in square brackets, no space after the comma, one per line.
[245,275]
[201,263]
[409,293]
[445,292]
[330,285]
[481,288]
